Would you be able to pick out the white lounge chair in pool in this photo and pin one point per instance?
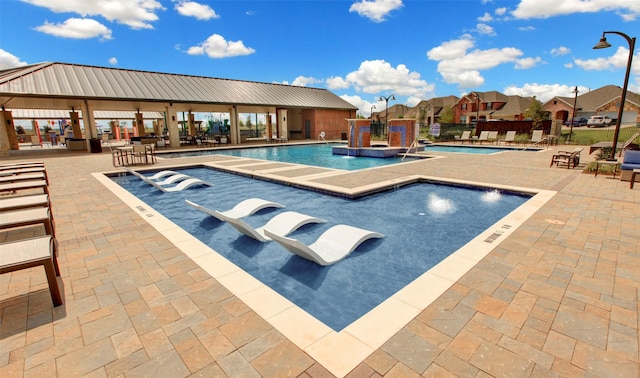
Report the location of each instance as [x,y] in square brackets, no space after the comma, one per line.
[173,179]
[332,246]
[162,174]
[282,224]
[186,183]
[182,185]
[241,210]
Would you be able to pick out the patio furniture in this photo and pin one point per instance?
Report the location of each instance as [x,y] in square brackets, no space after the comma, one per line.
[241,210]
[23,185]
[509,138]
[630,161]
[22,202]
[570,158]
[28,217]
[33,252]
[633,177]
[282,224]
[332,246]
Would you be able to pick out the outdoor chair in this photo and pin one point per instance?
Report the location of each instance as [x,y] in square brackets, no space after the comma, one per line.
[570,158]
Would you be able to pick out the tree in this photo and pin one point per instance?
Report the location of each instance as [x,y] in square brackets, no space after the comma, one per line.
[536,113]
[447,115]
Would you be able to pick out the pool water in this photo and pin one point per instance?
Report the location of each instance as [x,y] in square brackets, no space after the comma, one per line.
[423,223]
[319,155]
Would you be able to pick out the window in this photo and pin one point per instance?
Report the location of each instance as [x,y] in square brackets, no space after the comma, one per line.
[464,106]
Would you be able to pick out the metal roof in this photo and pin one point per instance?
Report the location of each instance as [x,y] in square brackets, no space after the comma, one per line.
[62,114]
[62,80]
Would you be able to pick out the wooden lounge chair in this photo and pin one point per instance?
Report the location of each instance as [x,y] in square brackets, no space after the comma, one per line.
[28,217]
[23,202]
[241,210]
[28,253]
[282,224]
[22,177]
[23,185]
[570,158]
[332,246]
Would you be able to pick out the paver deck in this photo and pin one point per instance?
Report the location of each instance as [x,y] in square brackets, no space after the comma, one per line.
[557,297]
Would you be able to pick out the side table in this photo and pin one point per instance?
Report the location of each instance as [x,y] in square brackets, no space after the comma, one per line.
[633,177]
[607,162]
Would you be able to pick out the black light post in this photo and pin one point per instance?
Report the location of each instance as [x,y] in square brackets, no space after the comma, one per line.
[573,116]
[371,112]
[603,44]
[386,112]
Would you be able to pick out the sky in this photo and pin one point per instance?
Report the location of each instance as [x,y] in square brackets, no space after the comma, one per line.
[360,50]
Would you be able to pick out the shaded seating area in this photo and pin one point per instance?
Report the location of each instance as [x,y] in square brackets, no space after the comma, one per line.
[569,158]
[23,217]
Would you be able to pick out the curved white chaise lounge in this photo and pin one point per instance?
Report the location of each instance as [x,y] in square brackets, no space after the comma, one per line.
[332,246]
[241,210]
[282,224]
[173,179]
[186,183]
[162,174]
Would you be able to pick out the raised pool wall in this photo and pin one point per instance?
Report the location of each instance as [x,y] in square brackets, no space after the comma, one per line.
[401,132]
[359,133]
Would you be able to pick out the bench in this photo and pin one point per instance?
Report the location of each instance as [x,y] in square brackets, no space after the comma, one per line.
[29,253]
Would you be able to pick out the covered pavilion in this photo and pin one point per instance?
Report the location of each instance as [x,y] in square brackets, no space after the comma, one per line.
[72,87]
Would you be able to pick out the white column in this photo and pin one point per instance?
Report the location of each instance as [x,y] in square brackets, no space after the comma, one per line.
[88,120]
[235,130]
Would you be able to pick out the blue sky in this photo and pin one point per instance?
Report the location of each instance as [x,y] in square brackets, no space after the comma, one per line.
[360,50]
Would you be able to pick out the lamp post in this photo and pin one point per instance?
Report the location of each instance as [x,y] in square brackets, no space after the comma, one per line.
[603,44]
[573,116]
[386,112]
[371,112]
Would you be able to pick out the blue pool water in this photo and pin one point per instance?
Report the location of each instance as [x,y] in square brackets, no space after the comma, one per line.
[474,150]
[423,223]
[319,155]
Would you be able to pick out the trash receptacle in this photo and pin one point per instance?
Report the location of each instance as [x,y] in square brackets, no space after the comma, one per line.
[95,145]
[344,136]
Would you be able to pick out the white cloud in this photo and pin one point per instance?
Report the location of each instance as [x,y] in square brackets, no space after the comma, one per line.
[137,14]
[197,10]
[458,65]
[364,106]
[217,47]
[303,81]
[336,82]
[76,28]
[543,92]
[485,29]
[618,60]
[527,28]
[526,63]
[486,17]
[375,10]
[627,9]
[113,61]
[8,60]
[377,76]
[501,11]
[559,51]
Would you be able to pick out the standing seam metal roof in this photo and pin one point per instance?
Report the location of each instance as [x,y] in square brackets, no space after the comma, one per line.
[79,81]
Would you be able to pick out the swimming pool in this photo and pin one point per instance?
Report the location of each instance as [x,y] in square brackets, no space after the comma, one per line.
[481,150]
[423,224]
[319,155]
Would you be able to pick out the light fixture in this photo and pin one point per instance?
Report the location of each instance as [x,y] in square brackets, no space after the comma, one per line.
[602,45]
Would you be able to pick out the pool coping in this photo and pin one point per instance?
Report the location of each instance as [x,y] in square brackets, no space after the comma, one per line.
[338,352]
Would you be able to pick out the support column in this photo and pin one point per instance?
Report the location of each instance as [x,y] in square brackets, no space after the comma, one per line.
[173,127]
[75,124]
[8,136]
[234,134]
[282,130]
[140,124]
[192,124]
[88,121]
[268,131]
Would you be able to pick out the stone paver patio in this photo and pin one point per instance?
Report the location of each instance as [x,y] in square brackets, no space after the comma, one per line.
[558,297]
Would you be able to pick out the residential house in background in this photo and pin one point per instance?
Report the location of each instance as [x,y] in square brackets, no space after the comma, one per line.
[484,106]
[601,101]
[431,108]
